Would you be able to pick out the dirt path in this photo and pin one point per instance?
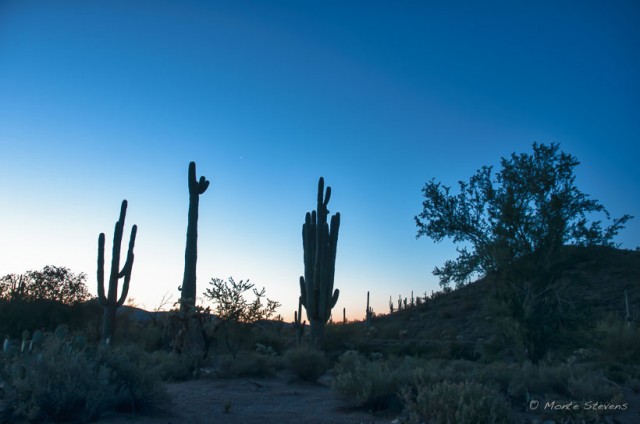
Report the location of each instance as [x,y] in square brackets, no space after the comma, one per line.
[275,400]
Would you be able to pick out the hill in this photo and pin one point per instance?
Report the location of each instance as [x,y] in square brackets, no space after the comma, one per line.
[465,323]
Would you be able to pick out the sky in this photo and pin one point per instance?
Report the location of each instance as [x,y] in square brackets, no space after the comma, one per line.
[108,100]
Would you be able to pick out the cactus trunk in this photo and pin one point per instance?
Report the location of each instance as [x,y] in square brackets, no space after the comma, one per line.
[188,288]
[319,240]
[111,302]
[298,324]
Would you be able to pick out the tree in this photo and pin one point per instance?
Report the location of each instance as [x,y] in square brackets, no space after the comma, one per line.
[44,299]
[234,311]
[51,283]
[513,225]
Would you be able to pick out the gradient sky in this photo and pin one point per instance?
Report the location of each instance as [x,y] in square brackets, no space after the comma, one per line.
[108,100]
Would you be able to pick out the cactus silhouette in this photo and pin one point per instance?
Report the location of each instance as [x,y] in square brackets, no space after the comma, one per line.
[188,288]
[298,324]
[111,302]
[368,313]
[319,241]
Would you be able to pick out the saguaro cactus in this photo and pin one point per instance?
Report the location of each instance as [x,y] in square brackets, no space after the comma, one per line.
[319,240]
[111,301]
[188,288]
[298,324]
[368,313]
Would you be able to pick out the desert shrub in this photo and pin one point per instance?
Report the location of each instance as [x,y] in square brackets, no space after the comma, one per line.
[533,381]
[235,312]
[390,329]
[169,366]
[340,337]
[138,386]
[59,383]
[591,386]
[308,364]
[368,384]
[619,341]
[268,337]
[64,381]
[19,315]
[245,364]
[150,337]
[461,403]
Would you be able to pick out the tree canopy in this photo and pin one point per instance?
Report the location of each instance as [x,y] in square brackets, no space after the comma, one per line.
[51,283]
[231,305]
[532,206]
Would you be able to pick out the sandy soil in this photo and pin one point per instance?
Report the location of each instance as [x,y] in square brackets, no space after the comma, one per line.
[278,400]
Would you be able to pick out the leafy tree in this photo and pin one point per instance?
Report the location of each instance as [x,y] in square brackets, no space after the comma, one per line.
[513,225]
[235,311]
[45,299]
[51,283]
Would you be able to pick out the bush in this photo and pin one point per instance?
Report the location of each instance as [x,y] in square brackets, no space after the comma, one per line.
[170,366]
[308,364]
[461,403]
[245,364]
[64,381]
[138,387]
[619,341]
[368,384]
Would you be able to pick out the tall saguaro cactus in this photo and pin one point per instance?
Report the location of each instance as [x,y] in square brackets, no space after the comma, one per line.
[319,240]
[111,302]
[188,288]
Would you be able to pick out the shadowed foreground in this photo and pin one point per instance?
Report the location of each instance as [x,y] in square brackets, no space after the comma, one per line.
[265,401]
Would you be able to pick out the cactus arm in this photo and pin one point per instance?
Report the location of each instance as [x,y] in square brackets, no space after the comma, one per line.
[203,185]
[303,292]
[128,266]
[101,297]
[115,255]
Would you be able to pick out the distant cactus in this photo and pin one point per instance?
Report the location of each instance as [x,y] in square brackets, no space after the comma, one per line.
[111,302]
[344,315]
[412,303]
[399,302]
[390,305]
[319,240]
[188,288]
[298,324]
[368,313]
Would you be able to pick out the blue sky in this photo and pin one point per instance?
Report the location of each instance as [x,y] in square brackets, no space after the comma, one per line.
[106,100]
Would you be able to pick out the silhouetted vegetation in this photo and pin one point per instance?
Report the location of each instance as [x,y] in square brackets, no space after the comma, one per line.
[516,224]
[319,240]
[234,312]
[188,288]
[45,299]
[111,301]
[480,353]
[52,283]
